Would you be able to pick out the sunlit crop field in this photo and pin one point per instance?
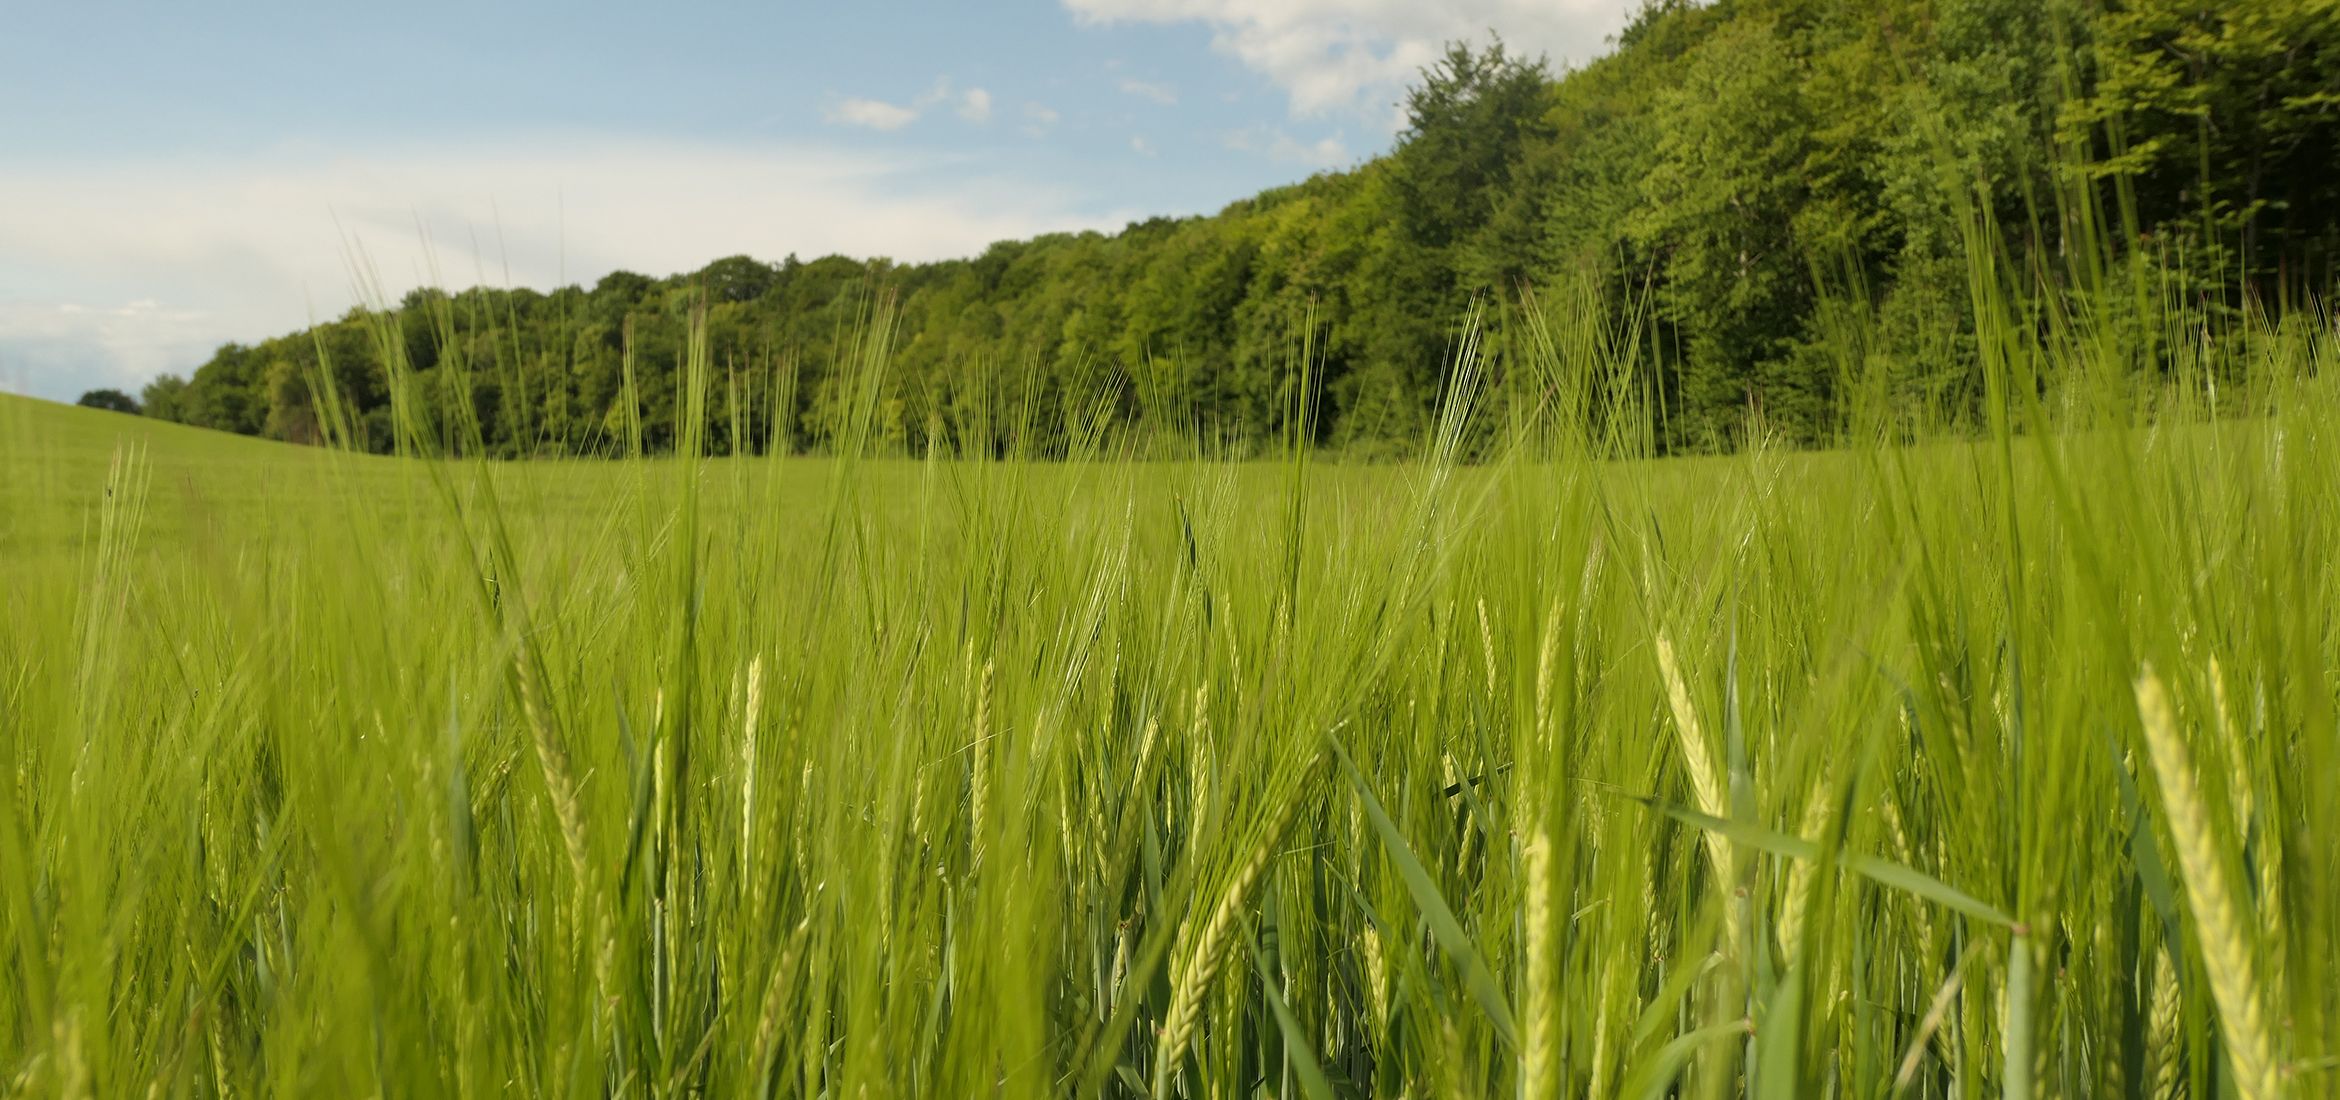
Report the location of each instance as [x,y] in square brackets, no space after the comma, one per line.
[2003,765]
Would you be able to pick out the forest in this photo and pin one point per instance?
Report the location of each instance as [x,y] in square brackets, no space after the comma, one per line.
[1736,186]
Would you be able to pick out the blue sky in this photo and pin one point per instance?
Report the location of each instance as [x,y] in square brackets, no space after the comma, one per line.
[173,176]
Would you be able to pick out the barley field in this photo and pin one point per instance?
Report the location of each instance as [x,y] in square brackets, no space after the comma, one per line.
[1995,763]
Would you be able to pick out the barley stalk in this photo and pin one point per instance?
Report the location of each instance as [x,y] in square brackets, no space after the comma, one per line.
[1487,648]
[73,1073]
[1540,1053]
[1140,802]
[215,1038]
[1201,964]
[1547,654]
[1601,1038]
[1801,873]
[1201,772]
[1705,783]
[2163,1038]
[559,780]
[2016,1024]
[1376,978]
[1200,968]
[767,1040]
[2237,755]
[750,754]
[979,782]
[2112,1079]
[2219,924]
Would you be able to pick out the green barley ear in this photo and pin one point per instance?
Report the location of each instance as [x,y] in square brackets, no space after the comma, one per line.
[2219,922]
[1705,779]
[2165,1031]
[979,781]
[1539,1056]
[1201,964]
[765,1048]
[73,1073]
[552,756]
[1705,784]
[749,753]
[1795,902]
[1547,652]
[1376,975]
[2237,755]
[1487,648]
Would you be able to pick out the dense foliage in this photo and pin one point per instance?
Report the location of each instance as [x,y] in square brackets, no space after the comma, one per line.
[111,400]
[1746,177]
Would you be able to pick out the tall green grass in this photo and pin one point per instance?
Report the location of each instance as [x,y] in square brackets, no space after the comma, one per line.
[1937,765]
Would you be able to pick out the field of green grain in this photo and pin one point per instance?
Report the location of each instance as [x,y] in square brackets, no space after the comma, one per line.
[1999,765]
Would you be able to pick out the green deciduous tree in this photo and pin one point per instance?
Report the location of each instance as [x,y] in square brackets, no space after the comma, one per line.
[110,400]
[1773,197]
[2221,119]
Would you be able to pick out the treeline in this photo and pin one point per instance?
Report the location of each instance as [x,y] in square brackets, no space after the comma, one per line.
[1735,183]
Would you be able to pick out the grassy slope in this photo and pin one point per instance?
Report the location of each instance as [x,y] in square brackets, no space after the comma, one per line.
[336,777]
[57,456]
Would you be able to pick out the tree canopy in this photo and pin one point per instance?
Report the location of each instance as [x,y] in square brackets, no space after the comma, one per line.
[1738,177]
[111,400]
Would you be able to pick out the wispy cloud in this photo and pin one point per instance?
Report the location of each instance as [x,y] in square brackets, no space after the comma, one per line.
[1141,146]
[1341,54]
[1274,143]
[973,105]
[876,114]
[1163,94]
[61,349]
[1039,118]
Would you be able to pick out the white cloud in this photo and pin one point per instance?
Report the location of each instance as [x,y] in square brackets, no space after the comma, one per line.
[875,114]
[1141,146]
[1163,94]
[1275,143]
[1039,118]
[62,349]
[975,105]
[113,271]
[1333,54]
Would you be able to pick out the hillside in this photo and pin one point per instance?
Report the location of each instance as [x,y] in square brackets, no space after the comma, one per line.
[1771,197]
[51,451]
[59,462]
[46,429]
